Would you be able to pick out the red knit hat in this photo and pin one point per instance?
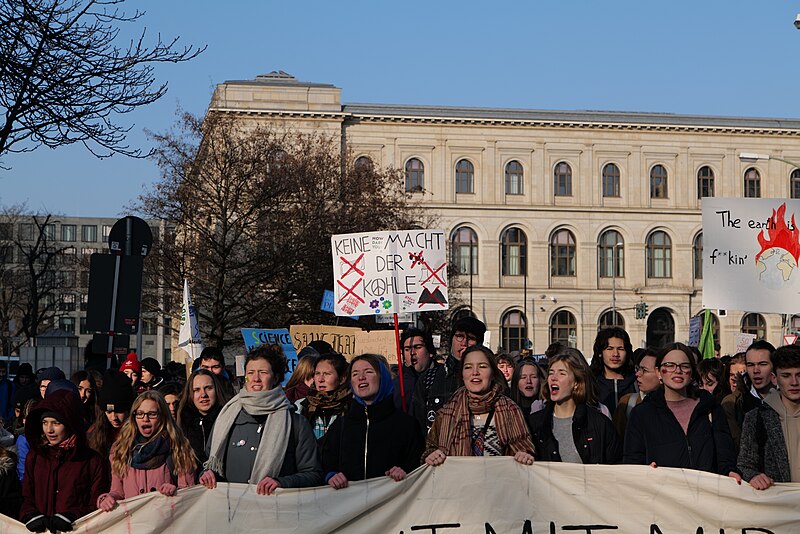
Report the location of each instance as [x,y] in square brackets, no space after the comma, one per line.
[132,363]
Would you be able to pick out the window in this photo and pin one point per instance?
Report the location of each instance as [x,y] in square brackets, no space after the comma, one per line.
[67,302]
[705,182]
[465,177]
[513,331]
[415,176]
[794,184]
[562,180]
[514,175]
[610,180]
[611,255]
[754,323]
[68,278]
[514,246]
[26,231]
[658,182]
[67,324]
[363,163]
[752,183]
[155,231]
[610,319]
[149,327]
[697,256]
[562,254]
[6,231]
[465,250]
[659,255]
[49,231]
[6,254]
[83,329]
[68,232]
[88,251]
[84,305]
[562,326]
[106,231]
[89,233]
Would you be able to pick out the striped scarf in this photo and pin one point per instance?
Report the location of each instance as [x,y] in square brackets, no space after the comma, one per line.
[451,431]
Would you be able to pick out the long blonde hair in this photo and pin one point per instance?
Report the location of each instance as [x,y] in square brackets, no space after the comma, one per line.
[180,450]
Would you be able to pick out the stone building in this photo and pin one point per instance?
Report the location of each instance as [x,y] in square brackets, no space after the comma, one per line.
[560,221]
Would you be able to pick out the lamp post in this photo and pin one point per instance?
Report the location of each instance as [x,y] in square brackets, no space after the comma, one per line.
[614,264]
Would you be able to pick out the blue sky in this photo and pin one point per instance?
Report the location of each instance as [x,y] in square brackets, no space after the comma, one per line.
[713,57]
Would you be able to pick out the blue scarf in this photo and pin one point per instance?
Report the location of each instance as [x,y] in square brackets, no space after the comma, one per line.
[150,454]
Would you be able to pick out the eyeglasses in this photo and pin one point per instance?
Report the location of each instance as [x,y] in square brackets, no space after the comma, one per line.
[643,370]
[671,367]
[148,415]
[461,337]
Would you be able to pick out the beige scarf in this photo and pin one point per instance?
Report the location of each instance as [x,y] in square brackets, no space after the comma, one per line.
[274,437]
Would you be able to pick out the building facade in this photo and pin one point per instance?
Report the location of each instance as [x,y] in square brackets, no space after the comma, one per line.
[66,287]
[560,221]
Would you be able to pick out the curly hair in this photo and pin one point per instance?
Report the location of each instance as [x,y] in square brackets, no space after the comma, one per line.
[273,354]
[180,449]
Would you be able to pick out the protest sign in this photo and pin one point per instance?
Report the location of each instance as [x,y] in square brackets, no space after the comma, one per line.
[751,249]
[695,325]
[389,272]
[381,342]
[479,495]
[254,337]
[341,338]
[742,341]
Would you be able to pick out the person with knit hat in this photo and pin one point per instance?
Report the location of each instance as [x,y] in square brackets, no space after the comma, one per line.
[25,376]
[151,373]
[133,370]
[63,476]
[47,375]
[440,381]
[114,401]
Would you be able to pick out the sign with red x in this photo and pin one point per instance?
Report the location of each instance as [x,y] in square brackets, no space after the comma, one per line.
[382,273]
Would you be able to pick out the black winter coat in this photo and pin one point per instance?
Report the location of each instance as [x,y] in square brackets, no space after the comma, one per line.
[595,438]
[197,429]
[655,435]
[433,389]
[610,391]
[392,438]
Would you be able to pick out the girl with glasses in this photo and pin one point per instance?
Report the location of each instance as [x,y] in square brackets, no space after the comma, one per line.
[679,424]
[150,454]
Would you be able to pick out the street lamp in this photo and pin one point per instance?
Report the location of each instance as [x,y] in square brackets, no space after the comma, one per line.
[614,263]
[751,156]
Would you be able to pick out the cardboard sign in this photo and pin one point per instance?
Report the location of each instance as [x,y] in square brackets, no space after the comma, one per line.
[341,338]
[381,342]
[389,272]
[751,250]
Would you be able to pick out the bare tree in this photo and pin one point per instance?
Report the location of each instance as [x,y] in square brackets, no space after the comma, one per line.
[254,210]
[35,273]
[66,74]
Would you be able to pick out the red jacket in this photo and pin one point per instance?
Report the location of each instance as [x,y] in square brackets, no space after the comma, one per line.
[61,480]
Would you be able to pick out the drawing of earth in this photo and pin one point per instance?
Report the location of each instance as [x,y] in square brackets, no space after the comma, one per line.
[775,267]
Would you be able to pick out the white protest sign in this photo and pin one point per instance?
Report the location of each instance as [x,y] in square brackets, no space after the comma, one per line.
[751,249]
[470,495]
[742,341]
[389,272]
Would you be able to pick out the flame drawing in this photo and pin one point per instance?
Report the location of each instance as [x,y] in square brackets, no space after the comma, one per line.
[779,235]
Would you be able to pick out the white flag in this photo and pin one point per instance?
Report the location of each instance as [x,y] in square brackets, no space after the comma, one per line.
[189,337]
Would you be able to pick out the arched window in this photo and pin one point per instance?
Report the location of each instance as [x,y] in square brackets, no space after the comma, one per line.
[752,183]
[514,175]
[465,176]
[363,163]
[611,318]
[465,250]
[514,245]
[562,254]
[610,180]
[697,256]
[658,182]
[794,184]
[415,176]
[705,182]
[660,328]
[754,323]
[562,179]
[659,255]
[513,330]
[562,326]
[611,255]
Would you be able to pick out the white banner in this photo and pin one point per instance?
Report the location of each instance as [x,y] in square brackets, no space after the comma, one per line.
[472,495]
[751,249]
[389,272]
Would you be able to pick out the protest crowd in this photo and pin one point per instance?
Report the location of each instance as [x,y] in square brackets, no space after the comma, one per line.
[74,445]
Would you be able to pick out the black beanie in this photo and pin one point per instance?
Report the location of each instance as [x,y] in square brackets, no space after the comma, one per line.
[470,325]
[116,394]
[151,365]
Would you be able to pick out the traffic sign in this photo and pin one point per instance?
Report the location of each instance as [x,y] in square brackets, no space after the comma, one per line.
[789,339]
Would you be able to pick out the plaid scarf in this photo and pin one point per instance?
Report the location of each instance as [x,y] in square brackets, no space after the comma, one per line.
[452,429]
